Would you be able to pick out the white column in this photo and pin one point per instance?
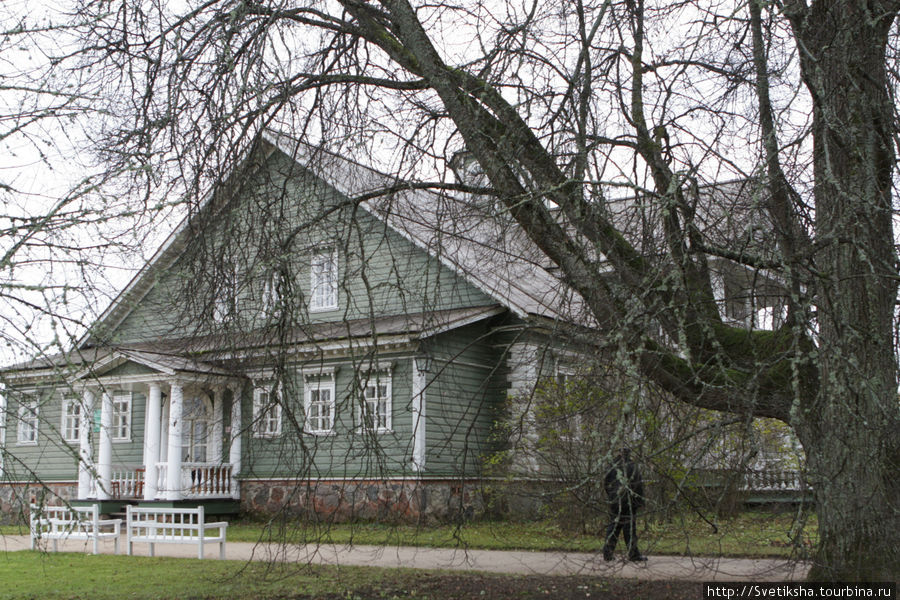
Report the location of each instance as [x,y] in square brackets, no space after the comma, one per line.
[234,454]
[152,425]
[164,434]
[418,417]
[85,462]
[217,425]
[173,475]
[104,461]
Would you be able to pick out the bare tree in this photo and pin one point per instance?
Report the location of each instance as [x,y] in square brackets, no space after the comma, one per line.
[563,106]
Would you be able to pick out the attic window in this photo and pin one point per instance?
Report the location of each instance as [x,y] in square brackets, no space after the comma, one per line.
[274,292]
[323,281]
[226,292]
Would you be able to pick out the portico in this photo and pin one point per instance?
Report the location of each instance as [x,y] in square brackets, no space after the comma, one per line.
[184,451]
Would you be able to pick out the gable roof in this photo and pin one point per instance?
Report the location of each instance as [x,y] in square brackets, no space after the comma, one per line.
[182,356]
[480,244]
[505,267]
[487,250]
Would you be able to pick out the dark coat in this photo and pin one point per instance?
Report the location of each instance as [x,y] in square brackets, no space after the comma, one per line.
[624,486]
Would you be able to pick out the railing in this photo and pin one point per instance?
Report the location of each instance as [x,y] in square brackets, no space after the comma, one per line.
[198,480]
[204,480]
[773,481]
[127,482]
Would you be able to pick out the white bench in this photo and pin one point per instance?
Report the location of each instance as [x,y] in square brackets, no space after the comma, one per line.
[56,523]
[173,526]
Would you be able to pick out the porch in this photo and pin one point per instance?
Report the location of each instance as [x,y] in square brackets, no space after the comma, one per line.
[183,446]
[198,481]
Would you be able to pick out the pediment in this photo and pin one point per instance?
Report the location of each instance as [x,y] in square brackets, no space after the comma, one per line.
[135,363]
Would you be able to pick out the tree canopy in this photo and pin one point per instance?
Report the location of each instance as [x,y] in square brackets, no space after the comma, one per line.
[575,111]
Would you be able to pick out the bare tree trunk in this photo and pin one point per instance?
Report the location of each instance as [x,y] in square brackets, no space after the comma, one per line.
[850,428]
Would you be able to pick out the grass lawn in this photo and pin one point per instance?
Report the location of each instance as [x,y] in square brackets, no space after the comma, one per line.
[753,534]
[36,576]
[27,575]
[756,534]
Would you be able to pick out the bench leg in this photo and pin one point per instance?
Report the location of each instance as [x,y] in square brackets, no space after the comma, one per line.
[96,545]
[117,545]
[222,551]
[152,553]
[130,548]
[200,546]
[55,545]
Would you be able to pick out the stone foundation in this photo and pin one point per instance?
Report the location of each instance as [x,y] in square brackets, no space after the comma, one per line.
[15,498]
[398,501]
[365,500]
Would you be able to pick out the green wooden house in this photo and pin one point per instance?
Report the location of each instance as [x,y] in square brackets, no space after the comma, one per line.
[291,345]
[316,336]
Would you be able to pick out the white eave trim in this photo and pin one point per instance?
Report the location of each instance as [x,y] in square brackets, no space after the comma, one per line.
[485,314]
[117,358]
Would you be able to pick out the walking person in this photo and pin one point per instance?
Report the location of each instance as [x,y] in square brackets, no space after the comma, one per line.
[625,495]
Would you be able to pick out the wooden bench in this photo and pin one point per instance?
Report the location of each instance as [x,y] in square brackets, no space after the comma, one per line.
[56,523]
[173,526]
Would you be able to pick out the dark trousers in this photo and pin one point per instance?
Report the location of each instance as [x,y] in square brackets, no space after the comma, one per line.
[621,519]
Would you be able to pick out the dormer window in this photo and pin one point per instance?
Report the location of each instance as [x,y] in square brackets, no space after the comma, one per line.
[323,281]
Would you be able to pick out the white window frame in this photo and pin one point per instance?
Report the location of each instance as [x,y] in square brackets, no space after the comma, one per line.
[28,423]
[67,426]
[266,412]
[225,303]
[318,385]
[574,422]
[121,418]
[323,295]
[375,379]
[271,299]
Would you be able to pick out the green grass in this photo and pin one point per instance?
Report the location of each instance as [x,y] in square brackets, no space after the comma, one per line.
[754,534]
[64,576]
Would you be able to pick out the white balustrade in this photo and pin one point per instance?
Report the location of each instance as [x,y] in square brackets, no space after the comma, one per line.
[127,482]
[204,480]
[162,476]
[199,480]
[773,480]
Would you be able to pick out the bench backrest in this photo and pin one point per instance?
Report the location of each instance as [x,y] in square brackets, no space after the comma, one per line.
[164,522]
[70,516]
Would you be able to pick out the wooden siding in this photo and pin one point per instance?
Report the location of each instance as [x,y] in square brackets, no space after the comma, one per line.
[464,395]
[347,453]
[380,272]
[52,458]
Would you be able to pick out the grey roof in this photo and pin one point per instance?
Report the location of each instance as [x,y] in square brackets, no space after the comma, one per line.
[466,233]
[471,236]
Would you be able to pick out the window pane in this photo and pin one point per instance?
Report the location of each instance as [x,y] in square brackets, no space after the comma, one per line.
[323,275]
[72,424]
